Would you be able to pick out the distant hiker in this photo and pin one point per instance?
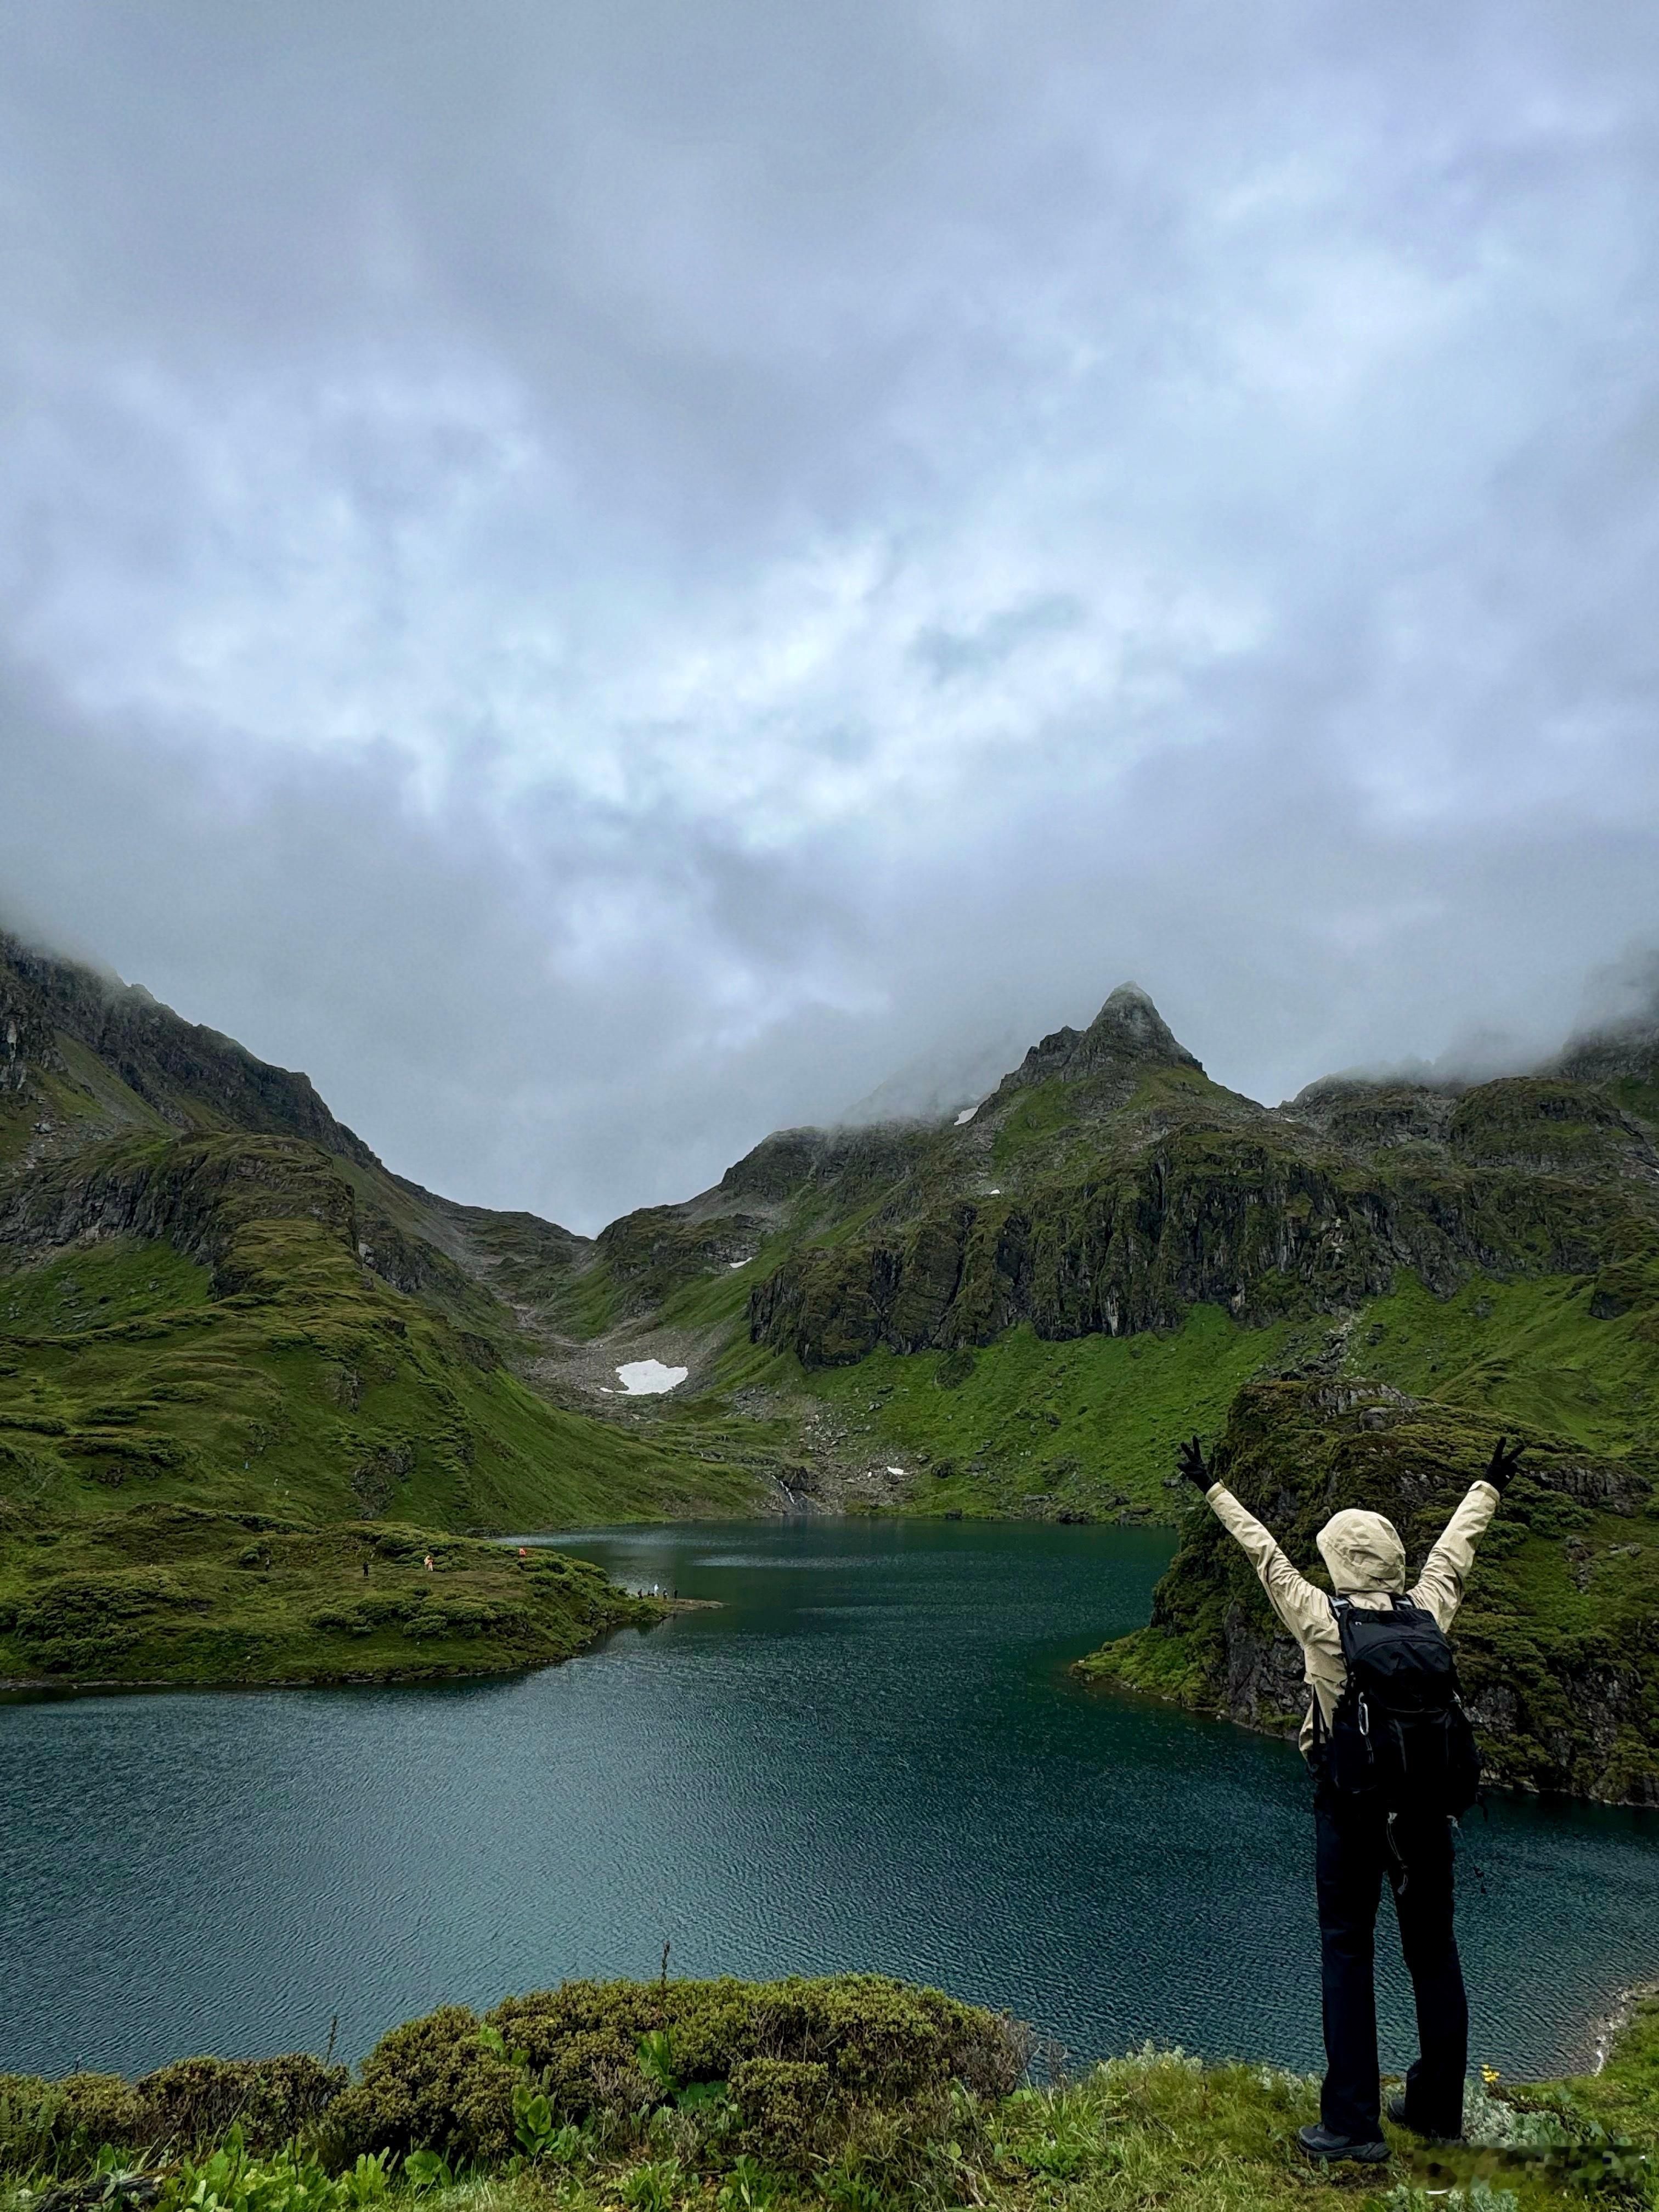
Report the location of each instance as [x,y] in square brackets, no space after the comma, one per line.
[365,1570]
[1394,1763]
[429,1563]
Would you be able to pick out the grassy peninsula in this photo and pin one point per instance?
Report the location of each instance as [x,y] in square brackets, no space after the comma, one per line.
[169,1593]
[855,2093]
[195,1475]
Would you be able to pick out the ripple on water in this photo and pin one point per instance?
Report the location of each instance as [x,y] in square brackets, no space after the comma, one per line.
[870,1755]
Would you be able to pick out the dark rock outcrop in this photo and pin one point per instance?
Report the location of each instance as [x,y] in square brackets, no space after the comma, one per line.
[1548,1126]
[156,1126]
[652,1253]
[194,1193]
[1128,1034]
[1200,1216]
[1564,1695]
[28,1047]
[192,1076]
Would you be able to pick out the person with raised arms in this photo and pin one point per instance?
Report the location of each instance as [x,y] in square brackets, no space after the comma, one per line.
[1394,1764]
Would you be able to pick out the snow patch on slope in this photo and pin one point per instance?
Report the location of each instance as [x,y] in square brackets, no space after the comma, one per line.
[644,1378]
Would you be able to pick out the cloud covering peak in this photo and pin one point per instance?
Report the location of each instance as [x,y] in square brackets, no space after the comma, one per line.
[598,577]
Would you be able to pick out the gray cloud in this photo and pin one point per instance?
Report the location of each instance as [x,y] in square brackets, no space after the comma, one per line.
[601,578]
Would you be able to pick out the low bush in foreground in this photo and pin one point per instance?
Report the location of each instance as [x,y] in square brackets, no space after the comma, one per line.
[60,2127]
[850,2094]
[791,2071]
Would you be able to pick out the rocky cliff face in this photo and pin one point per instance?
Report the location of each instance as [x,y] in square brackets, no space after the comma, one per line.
[1127,1036]
[137,1123]
[189,1076]
[1109,1187]
[1558,1639]
[198,1193]
[1258,1227]
[28,1047]
[1625,1050]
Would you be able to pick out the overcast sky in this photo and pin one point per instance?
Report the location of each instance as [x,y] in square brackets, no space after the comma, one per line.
[599,577]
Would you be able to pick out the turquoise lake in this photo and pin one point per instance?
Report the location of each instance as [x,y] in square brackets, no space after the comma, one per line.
[870,1756]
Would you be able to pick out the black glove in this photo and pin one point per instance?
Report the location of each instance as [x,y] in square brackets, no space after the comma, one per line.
[1189,1458]
[1504,1463]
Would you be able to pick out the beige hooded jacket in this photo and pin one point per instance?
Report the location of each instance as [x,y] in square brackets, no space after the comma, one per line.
[1367,1563]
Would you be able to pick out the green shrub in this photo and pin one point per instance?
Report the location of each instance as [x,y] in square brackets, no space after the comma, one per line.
[229,2180]
[61,2125]
[651,2188]
[187,2106]
[197,2101]
[799,2056]
[429,2085]
[775,2075]
[784,2104]
[464,1616]
[749,2187]
[75,1620]
[655,2053]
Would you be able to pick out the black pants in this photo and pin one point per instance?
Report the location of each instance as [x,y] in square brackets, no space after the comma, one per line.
[1353,1853]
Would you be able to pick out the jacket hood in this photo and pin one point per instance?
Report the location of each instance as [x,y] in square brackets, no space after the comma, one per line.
[1363,1551]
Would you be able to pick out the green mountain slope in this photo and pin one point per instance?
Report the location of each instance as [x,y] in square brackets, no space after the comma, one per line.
[239,1310]
[213,1295]
[1027,1296]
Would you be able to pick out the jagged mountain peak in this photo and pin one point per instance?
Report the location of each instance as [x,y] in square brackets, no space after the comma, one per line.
[1129,1015]
[1127,1031]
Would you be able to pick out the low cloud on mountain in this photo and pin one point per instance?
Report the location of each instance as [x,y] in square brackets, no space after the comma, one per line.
[603,579]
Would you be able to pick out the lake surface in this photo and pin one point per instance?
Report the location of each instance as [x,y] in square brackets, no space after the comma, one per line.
[870,1757]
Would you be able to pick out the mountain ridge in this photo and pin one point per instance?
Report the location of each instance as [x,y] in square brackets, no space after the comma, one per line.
[215,1297]
[963,1195]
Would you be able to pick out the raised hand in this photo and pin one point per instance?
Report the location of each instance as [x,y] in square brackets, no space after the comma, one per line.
[1504,1459]
[1189,1458]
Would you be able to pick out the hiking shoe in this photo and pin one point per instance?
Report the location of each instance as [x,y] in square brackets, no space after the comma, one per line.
[1402,2118]
[1325,2144]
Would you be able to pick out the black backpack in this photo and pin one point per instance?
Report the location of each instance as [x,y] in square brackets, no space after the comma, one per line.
[1400,1736]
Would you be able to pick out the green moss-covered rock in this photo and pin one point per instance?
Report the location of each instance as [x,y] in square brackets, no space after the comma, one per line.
[1247,1219]
[650,1253]
[1558,1640]
[1549,1125]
